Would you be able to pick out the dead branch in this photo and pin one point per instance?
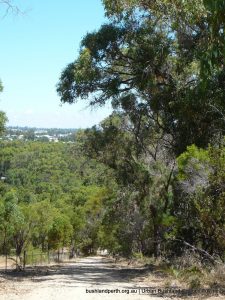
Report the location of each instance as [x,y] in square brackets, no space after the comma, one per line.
[10,8]
[199,250]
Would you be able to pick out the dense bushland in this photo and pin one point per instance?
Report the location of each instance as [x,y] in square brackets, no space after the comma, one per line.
[150,179]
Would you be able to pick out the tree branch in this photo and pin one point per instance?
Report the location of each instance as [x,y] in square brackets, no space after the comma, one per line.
[10,8]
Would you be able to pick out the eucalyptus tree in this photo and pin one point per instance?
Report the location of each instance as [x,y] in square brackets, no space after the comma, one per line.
[153,52]
[161,65]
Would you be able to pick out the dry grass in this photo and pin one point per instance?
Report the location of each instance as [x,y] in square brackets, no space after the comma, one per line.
[216,276]
[188,271]
[193,272]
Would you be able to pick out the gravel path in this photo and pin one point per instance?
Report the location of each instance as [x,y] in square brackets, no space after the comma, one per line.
[88,279]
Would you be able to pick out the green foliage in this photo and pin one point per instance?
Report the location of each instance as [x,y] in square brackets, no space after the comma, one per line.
[161,64]
[51,196]
[200,182]
[1,86]
[193,158]
[131,183]
[156,60]
[3,118]
[60,233]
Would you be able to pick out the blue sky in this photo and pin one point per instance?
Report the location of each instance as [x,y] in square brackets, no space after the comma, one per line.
[35,47]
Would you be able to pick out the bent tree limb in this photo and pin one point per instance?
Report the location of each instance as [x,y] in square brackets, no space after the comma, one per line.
[199,250]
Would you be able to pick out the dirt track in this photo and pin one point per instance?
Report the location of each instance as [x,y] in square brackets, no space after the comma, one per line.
[76,281]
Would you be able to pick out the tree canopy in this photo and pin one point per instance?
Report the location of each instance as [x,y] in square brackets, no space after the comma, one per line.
[161,65]
[154,57]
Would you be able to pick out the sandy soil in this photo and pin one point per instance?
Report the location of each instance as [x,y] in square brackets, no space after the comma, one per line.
[87,279]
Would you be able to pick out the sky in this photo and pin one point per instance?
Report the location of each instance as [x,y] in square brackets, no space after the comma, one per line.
[35,47]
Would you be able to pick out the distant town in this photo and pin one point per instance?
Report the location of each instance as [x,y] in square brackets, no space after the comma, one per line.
[39,134]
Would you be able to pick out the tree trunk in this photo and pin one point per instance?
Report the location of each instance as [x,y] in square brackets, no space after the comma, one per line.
[156,244]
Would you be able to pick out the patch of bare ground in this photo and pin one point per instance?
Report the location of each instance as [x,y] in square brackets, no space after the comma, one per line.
[89,278]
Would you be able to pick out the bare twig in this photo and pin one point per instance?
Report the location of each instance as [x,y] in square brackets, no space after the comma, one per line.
[10,8]
[216,109]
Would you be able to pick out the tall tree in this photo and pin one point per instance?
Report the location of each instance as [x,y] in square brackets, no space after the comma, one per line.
[151,53]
